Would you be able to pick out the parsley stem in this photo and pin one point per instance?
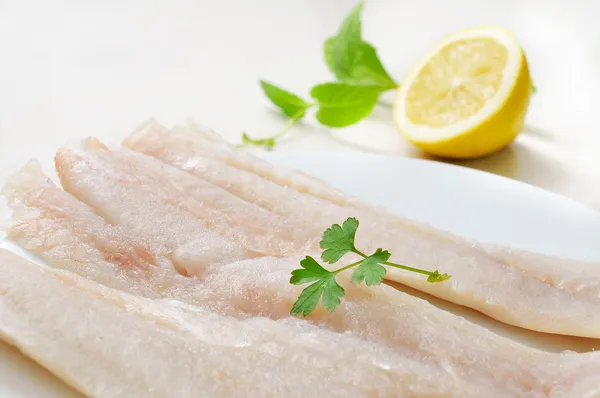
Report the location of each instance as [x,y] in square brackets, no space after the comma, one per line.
[359,253]
[405,267]
[417,270]
[337,271]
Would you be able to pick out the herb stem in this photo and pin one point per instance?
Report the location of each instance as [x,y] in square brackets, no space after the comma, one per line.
[289,124]
[385,104]
[359,253]
[269,142]
[406,267]
[337,271]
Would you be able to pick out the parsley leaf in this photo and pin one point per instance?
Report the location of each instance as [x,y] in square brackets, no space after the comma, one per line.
[342,104]
[332,294]
[311,271]
[308,299]
[291,105]
[435,277]
[338,240]
[325,289]
[370,269]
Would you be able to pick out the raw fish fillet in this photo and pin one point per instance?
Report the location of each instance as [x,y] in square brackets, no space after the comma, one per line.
[408,326]
[52,223]
[203,153]
[175,210]
[106,343]
[532,291]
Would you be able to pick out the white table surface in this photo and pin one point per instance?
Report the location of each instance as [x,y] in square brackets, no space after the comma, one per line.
[75,68]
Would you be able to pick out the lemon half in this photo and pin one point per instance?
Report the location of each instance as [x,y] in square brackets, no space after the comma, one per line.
[468,97]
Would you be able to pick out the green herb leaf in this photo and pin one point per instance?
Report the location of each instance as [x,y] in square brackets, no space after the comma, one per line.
[342,51]
[362,78]
[332,294]
[370,269]
[342,104]
[308,299]
[366,71]
[267,143]
[437,277]
[311,271]
[327,288]
[338,240]
[290,104]
[353,60]
[369,70]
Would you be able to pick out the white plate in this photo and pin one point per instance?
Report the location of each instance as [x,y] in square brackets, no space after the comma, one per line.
[467,202]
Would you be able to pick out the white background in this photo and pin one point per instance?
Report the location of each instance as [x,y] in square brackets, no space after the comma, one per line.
[75,68]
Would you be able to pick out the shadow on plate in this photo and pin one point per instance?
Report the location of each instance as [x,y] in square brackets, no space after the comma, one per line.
[22,377]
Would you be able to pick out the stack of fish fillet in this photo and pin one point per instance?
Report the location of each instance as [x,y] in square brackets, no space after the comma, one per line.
[168,264]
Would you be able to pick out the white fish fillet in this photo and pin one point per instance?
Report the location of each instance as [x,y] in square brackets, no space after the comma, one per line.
[523,289]
[107,343]
[172,208]
[407,325]
[215,148]
[48,220]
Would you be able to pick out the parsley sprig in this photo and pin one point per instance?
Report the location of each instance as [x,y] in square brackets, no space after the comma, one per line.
[337,241]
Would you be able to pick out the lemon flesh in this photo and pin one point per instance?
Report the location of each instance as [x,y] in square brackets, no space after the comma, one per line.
[468,97]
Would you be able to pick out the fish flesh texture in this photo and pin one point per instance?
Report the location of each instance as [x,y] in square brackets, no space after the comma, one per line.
[259,286]
[107,343]
[528,290]
[172,207]
[55,225]
[203,153]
